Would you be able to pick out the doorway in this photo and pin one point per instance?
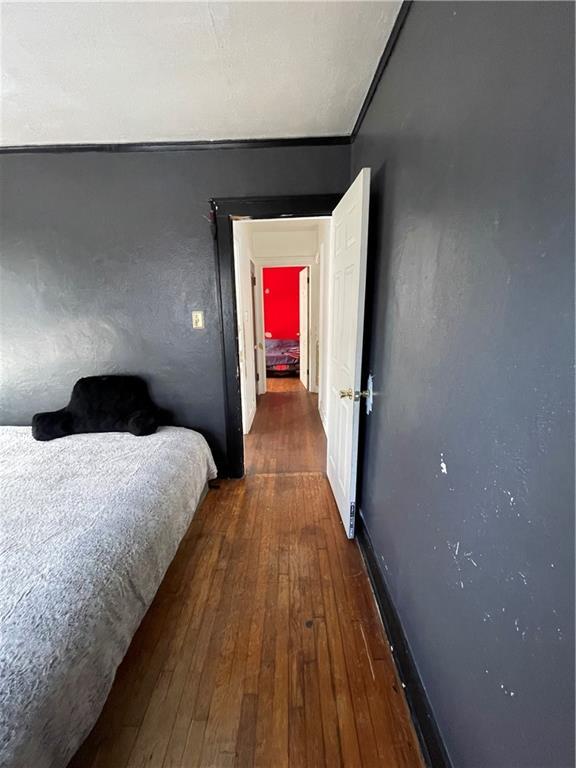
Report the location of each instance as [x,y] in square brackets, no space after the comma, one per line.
[223,212]
[281,283]
[284,321]
[342,331]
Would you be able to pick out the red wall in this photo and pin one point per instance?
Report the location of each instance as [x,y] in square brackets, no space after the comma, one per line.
[281,302]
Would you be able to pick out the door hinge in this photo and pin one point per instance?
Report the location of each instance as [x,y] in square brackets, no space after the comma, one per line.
[308,280]
[257,377]
[253,279]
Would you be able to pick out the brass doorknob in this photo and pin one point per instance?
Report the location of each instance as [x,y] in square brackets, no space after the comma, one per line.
[351,395]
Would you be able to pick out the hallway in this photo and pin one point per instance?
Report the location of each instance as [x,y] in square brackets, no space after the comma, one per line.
[287,434]
[263,646]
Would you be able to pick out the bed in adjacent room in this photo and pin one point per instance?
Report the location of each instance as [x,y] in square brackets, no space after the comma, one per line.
[89,524]
[282,357]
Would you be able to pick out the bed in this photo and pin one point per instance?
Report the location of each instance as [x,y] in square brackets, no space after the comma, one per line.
[89,524]
[282,357]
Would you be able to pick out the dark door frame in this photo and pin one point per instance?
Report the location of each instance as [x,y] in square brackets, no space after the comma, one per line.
[222,211]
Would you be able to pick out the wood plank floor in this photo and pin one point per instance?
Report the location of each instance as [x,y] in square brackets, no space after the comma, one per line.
[287,434]
[263,646]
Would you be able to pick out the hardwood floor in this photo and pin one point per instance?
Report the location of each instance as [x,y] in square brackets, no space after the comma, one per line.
[287,434]
[263,646]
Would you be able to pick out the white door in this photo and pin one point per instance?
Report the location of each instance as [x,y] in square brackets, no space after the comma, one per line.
[304,278]
[254,330]
[244,309]
[347,287]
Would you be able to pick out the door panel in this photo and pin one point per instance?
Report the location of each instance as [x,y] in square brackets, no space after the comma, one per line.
[244,308]
[347,288]
[255,329]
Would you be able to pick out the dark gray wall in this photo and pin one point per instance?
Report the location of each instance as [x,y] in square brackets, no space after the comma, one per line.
[470,140]
[104,257]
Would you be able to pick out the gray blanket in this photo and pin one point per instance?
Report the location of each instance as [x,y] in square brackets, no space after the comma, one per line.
[88,527]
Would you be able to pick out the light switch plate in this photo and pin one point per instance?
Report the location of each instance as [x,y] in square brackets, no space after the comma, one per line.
[198,319]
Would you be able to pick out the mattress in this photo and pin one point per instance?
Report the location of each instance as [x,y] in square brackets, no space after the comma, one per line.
[88,527]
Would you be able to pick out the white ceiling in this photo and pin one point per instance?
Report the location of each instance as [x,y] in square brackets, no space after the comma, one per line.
[281,242]
[113,72]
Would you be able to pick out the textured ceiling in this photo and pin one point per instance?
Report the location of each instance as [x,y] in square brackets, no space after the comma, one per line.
[109,72]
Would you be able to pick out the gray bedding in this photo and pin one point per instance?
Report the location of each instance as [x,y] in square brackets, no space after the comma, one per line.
[88,527]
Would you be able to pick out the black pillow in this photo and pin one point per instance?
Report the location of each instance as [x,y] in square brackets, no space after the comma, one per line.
[103,404]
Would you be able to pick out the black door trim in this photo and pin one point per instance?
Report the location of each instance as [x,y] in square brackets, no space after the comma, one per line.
[223,209]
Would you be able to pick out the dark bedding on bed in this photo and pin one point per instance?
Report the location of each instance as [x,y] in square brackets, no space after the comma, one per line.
[282,357]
